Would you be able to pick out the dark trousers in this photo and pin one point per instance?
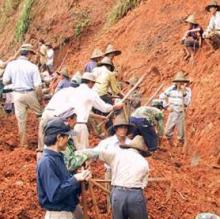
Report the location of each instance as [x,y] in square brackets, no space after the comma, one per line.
[128,204]
[145,129]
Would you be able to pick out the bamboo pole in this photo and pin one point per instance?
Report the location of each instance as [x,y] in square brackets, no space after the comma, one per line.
[94,201]
[154,95]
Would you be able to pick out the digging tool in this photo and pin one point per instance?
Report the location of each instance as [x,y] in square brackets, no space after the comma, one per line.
[154,95]
[153,69]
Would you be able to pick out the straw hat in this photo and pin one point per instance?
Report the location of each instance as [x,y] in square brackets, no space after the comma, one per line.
[64,72]
[120,121]
[180,77]
[214,4]
[27,47]
[137,143]
[89,76]
[97,53]
[191,19]
[111,50]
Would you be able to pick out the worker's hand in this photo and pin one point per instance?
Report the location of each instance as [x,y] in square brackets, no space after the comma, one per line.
[118,106]
[39,155]
[170,109]
[84,175]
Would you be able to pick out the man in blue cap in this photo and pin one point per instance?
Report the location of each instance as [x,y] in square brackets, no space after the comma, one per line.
[58,191]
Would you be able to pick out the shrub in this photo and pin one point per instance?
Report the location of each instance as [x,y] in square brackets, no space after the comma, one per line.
[82,22]
[24,20]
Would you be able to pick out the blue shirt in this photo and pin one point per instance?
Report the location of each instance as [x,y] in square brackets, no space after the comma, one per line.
[90,66]
[63,84]
[57,189]
[22,74]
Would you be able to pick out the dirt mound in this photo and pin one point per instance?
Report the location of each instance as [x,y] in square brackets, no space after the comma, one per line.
[148,36]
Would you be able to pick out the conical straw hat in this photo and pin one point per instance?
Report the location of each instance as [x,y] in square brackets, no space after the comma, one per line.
[180,77]
[97,53]
[191,19]
[110,50]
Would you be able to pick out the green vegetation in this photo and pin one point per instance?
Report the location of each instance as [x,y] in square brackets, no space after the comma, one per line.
[10,6]
[121,9]
[82,23]
[24,20]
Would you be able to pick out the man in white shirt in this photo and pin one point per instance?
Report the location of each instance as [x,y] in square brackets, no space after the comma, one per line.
[50,58]
[82,98]
[176,99]
[129,177]
[212,33]
[26,81]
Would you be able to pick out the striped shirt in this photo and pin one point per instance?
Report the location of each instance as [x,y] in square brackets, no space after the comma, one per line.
[176,99]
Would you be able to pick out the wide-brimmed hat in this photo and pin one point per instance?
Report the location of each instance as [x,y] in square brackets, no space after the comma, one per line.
[111,50]
[97,53]
[106,61]
[89,76]
[64,72]
[180,77]
[120,120]
[191,19]
[137,143]
[214,4]
[27,47]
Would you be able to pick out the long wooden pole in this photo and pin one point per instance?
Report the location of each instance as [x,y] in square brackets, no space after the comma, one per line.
[94,201]
[154,95]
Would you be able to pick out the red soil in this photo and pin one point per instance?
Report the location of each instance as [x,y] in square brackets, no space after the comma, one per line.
[148,36]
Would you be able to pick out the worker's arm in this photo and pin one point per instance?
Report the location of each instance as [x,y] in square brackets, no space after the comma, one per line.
[7,75]
[113,84]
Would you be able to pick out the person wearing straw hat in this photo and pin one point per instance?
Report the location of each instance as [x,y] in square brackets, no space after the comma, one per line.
[26,81]
[192,39]
[176,99]
[148,121]
[212,33]
[65,80]
[95,58]
[130,172]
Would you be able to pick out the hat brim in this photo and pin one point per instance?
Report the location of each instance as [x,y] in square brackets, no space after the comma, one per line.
[113,128]
[178,81]
[96,57]
[190,22]
[207,8]
[131,146]
[101,64]
[28,50]
[115,52]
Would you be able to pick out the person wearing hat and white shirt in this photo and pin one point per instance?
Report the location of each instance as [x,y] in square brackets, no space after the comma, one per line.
[176,99]
[86,98]
[65,80]
[129,176]
[212,33]
[58,190]
[26,81]
[95,58]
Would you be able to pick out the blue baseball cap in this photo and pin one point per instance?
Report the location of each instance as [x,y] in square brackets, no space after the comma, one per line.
[57,126]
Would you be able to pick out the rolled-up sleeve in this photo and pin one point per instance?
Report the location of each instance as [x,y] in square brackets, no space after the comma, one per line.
[99,104]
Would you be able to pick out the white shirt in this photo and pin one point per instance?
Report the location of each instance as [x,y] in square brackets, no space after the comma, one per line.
[85,99]
[22,74]
[129,168]
[50,56]
[174,98]
[214,23]
[81,98]
[61,101]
